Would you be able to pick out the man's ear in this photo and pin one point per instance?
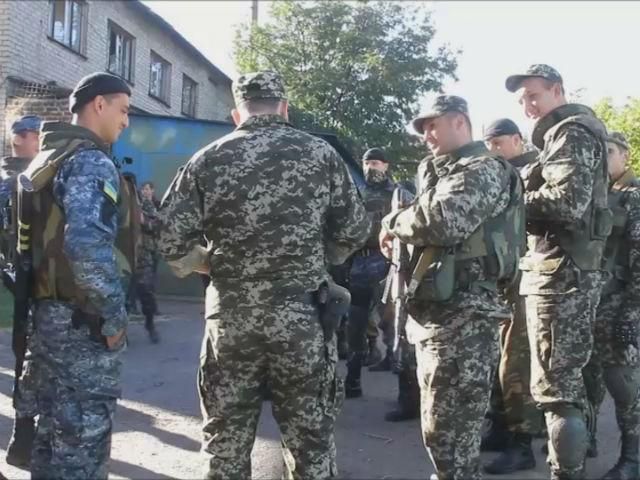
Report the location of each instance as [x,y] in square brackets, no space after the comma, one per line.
[235,114]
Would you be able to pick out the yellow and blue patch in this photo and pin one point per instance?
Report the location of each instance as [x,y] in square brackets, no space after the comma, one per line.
[110,192]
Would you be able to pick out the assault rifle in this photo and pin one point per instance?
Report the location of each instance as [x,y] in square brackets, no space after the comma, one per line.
[396,283]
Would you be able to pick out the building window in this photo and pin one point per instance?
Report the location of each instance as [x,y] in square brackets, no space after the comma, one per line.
[189,96]
[121,52]
[67,23]
[160,78]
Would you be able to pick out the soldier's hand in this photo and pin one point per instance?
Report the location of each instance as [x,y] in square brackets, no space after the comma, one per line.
[385,240]
[114,341]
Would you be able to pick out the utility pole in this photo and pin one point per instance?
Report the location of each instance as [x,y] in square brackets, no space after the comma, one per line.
[254,12]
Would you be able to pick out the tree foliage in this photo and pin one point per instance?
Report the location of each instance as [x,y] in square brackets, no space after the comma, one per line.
[356,69]
[625,119]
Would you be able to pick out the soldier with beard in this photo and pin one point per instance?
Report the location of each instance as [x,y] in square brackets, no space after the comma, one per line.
[368,268]
[24,148]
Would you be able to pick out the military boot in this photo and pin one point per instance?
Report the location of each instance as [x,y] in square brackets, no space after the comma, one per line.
[352,385]
[19,449]
[517,456]
[151,329]
[627,466]
[374,355]
[383,365]
[495,438]
[408,398]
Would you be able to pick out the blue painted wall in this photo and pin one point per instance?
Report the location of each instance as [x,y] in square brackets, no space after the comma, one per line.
[157,146]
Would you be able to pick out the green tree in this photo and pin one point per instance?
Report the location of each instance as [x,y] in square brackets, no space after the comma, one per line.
[625,119]
[356,69]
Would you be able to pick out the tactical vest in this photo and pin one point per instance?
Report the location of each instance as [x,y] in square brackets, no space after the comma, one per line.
[616,253]
[498,244]
[584,241]
[377,203]
[43,233]
[10,167]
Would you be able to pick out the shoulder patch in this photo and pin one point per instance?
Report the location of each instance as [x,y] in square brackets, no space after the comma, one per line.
[110,191]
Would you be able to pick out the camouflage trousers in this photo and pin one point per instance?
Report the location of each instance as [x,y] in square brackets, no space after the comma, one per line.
[514,370]
[73,439]
[560,322]
[455,370]
[78,384]
[281,344]
[25,399]
[614,368]
[145,282]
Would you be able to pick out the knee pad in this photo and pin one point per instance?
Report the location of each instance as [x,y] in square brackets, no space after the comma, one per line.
[568,436]
[623,383]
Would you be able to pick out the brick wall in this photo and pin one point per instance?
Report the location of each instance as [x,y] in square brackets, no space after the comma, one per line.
[27,52]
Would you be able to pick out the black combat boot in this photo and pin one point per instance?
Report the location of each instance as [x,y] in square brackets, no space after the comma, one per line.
[19,449]
[408,398]
[374,355]
[352,385]
[383,365]
[517,456]
[495,438]
[151,329]
[627,466]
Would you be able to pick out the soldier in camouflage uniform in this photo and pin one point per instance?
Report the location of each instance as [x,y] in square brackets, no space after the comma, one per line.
[146,261]
[568,223]
[522,420]
[79,318]
[25,146]
[275,205]
[615,359]
[368,269]
[455,332]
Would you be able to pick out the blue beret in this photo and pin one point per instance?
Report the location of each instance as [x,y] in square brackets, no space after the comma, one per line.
[28,123]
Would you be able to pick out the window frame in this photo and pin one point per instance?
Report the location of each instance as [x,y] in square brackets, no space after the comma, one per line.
[118,30]
[84,8]
[167,79]
[194,96]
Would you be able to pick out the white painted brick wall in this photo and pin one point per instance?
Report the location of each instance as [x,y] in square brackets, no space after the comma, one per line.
[27,52]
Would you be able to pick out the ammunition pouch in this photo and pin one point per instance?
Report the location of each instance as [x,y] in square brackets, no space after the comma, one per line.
[586,245]
[433,279]
[333,302]
[93,322]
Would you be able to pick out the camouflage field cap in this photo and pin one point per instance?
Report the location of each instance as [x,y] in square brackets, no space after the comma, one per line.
[619,139]
[254,85]
[441,105]
[537,70]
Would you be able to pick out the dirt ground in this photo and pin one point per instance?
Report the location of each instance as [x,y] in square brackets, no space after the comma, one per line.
[157,423]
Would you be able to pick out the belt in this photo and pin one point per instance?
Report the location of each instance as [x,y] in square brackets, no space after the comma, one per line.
[366,252]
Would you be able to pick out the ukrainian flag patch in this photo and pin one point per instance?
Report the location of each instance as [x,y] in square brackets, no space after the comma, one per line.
[110,191]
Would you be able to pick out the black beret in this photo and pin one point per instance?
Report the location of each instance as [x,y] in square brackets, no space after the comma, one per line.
[374,154]
[504,126]
[91,86]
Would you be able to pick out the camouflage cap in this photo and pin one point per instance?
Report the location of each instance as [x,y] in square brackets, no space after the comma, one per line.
[619,139]
[265,84]
[441,105]
[537,70]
